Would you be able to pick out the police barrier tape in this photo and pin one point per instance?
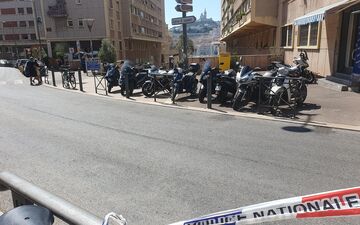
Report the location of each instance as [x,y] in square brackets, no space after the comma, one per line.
[338,203]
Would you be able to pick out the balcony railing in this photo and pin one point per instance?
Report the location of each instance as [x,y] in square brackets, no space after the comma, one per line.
[238,18]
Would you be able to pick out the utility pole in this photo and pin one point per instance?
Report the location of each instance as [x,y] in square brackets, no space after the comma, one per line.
[37,20]
[184,7]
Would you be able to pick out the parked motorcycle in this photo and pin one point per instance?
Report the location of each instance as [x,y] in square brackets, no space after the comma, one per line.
[159,80]
[299,69]
[287,90]
[227,84]
[215,76]
[29,215]
[185,83]
[136,79]
[112,76]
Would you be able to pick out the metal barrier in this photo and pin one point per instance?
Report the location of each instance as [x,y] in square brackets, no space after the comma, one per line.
[100,81]
[25,193]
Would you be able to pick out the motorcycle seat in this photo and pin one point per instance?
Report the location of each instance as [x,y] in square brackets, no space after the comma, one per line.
[27,215]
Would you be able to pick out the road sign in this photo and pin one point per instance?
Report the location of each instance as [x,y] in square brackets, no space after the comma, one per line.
[184,1]
[184,8]
[183,20]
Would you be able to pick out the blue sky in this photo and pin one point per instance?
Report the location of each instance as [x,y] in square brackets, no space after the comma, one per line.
[212,6]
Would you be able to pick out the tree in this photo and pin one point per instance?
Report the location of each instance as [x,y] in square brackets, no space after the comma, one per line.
[180,46]
[107,52]
[60,49]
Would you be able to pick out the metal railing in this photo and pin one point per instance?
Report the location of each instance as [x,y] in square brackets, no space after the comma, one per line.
[25,193]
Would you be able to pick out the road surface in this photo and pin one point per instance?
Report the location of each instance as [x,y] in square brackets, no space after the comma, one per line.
[157,165]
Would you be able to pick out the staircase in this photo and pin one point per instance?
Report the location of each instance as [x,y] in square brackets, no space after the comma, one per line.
[338,82]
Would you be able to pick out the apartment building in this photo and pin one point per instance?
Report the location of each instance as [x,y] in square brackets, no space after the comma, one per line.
[17,28]
[135,27]
[327,29]
[143,30]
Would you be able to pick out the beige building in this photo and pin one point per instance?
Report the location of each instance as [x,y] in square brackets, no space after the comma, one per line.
[17,28]
[265,30]
[135,27]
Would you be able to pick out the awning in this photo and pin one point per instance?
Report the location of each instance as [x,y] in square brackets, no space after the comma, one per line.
[319,15]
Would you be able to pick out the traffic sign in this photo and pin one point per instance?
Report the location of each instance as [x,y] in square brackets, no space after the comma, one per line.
[183,20]
[184,8]
[184,1]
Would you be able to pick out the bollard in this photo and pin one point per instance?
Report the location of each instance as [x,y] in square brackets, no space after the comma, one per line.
[53,78]
[80,81]
[154,86]
[127,85]
[209,91]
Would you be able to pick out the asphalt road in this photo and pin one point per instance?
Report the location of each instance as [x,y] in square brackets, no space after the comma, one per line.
[157,165]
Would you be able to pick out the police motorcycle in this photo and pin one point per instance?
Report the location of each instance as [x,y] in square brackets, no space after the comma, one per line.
[158,79]
[136,79]
[27,215]
[301,63]
[215,76]
[287,89]
[112,76]
[185,82]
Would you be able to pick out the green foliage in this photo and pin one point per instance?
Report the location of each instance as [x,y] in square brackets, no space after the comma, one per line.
[180,45]
[60,49]
[107,52]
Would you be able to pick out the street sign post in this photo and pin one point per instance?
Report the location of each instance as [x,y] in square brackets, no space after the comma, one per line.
[183,20]
[184,7]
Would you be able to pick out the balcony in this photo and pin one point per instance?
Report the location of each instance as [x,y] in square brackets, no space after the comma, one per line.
[58,10]
[248,17]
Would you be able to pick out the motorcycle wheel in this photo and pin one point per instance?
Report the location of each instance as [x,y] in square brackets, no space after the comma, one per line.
[303,95]
[202,95]
[275,101]
[239,100]
[123,89]
[222,96]
[148,89]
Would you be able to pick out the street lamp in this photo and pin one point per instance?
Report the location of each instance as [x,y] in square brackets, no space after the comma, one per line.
[90,24]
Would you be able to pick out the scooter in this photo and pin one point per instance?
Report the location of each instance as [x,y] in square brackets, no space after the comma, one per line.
[215,77]
[185,83]
[112,76]
[136,80]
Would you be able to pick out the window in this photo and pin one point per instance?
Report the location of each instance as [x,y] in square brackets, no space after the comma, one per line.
[21,11]
[29,11]
[22,24]
[31,23]
[309,35]
[33,36]
[287,36]
[25,37]
[70,23]
[81,22]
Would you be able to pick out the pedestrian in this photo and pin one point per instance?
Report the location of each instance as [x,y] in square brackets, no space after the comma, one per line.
[29,70]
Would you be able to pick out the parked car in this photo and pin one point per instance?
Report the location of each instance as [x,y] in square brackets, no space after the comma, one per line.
[5,63]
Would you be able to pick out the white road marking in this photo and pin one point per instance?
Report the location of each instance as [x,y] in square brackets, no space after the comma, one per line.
[18,81]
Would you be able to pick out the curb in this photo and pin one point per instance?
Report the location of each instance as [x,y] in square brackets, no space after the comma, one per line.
[236,114]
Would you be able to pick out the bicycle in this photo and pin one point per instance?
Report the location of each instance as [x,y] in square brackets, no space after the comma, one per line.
[68,79]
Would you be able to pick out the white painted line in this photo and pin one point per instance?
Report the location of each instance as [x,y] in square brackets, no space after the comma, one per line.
[18,81]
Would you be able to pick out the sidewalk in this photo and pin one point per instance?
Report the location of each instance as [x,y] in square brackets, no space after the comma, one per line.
[323,106]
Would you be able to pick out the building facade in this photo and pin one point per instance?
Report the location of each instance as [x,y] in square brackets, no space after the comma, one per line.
[17,28]
[134,27]
[327,29]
